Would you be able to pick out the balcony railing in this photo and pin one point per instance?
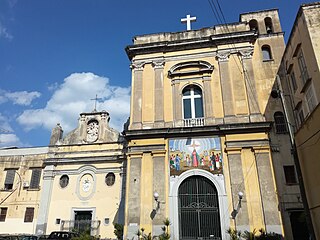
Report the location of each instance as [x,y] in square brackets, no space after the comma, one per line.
[193,122]
[89,226]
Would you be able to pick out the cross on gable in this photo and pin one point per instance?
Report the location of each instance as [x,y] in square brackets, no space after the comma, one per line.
[95,102]
[188,20]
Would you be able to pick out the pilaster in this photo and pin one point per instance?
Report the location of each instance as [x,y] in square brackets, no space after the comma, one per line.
[44,205]
[177,104]
[254,111]
[158,97]
[237,185]
[137,91]
[252,189]
[208,104]
[226,86]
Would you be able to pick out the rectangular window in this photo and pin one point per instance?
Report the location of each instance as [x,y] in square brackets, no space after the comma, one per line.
[199,108]
[303,68]
[293,82]
[310,97]
[3,214]
[8,183]
[300,116]
[35,178]
[290,174]
[187,108]
[28,217]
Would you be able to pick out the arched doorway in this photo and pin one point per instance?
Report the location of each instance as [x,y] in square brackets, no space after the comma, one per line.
[198,207]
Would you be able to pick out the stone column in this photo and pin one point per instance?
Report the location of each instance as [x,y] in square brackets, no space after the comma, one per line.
[254,111]
[268,192]
[133,200]
[158,97]
[226,86]
[83,127]
[208,104]
[159,186]
[137,92]
[241,220]
[177,104]
[252,189]
[44,206]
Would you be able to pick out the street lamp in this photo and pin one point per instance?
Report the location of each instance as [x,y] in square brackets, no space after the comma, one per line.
[156,198]
[235,211]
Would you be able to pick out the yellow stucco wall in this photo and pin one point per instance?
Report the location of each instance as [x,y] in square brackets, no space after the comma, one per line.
[19,198]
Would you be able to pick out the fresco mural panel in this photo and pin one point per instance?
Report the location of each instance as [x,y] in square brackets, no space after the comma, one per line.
[190,153]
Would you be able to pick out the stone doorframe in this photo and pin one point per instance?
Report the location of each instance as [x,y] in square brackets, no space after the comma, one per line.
[217,180]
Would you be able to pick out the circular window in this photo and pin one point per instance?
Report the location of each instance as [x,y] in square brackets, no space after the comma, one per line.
[110,179]
[64,181]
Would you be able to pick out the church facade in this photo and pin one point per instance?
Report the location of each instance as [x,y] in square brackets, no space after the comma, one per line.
[76,183]
[205,147]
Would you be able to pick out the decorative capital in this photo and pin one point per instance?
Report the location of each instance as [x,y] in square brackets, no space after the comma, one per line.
[223,57]
[246,54]
[158,64]
[137,65]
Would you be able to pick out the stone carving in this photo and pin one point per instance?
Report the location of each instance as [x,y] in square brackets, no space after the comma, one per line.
[137,65]
[158,64]
[56,135]
[92,131]
[246,54]
[86,185]
[93,127]
[223,57]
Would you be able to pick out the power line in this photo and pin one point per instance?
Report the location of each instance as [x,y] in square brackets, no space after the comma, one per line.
[224,24]
[309,138]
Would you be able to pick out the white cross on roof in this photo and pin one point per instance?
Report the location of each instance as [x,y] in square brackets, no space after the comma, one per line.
[188,20]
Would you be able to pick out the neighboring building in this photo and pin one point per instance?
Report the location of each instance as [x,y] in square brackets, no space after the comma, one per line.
[300,79]
[75,184]
[201,132]
[20,188]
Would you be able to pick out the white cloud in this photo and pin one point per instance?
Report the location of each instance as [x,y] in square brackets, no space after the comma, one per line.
[4,33]
[73,96]
[7,137]
[19,98]
[22,98]
[9,140]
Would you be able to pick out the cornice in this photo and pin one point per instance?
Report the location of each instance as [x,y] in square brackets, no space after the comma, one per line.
[191,43]
[217,130]
[76,160]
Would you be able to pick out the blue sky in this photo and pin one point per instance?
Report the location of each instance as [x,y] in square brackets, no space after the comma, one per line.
[56,55]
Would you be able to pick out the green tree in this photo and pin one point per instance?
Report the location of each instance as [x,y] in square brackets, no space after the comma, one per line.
[118,230]
[234,234]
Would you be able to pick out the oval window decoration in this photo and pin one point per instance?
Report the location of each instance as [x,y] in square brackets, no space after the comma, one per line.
[110,179]
[64,181]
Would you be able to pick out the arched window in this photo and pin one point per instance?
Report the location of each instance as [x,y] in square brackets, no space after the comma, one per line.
[192,102]
[268,24]
[253,24]
[280,122]
[266,53]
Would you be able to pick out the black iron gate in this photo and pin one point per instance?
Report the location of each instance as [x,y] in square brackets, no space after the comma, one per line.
[198,209]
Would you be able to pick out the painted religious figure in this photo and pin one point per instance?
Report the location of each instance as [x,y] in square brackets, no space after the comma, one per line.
[190,153]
